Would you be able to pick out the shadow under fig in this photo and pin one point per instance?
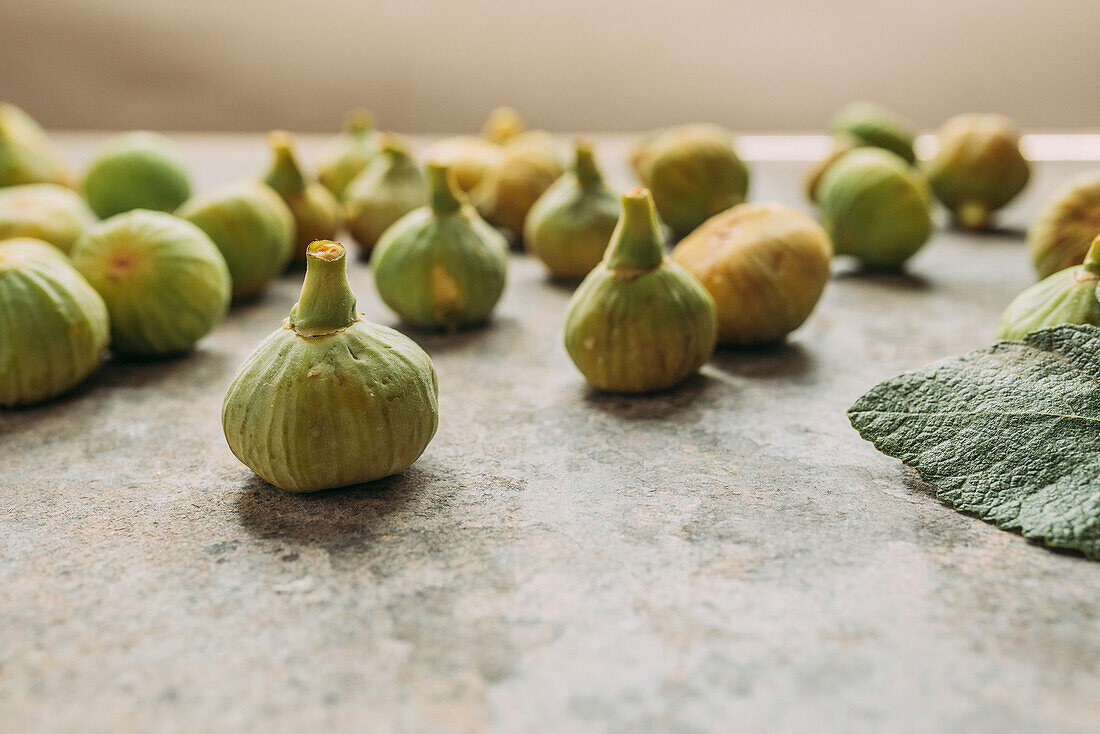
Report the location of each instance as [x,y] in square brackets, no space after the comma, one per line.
[496,328]
[779,361]
[893,279]
[333,519]
[652,406]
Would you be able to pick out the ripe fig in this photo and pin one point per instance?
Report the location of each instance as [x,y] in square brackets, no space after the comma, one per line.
[570,225]
[54,328]
[1067,297]
[165,283]
[441,266]
[317,213]
[330,400]
[44,211]
[136,170]
[26,154]
[529,167]
[472,159]
[1061,233]
[765,265]
[639,323]
[348,153]
[874,125]
[391,186]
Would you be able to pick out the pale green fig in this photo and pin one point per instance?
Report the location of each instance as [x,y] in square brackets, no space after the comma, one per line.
[348,153]
[765,265]
[1067,297]
[330,400]
[165,283]
[876,207]
[841,145]
[874,125]
[502,125]
[1061,233]
[391,186]
[53,326]
[317,213]
[441,266]
[570,225]
[693,172]
[44,211]
[253,228]
[978,167]
[136,170]
[639,322]
[529,167]
[26,153]
[471,159]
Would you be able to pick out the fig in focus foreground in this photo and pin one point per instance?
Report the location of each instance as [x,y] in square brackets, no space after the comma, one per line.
[876,208]
[44,211]
[1067,297]
[26,153]
[1062,231]
[874,125]
[329,400]
[693,172]
[441,266]
[165,283]
[348,153]
[253,228]
[136,170]
[391,186]
[54,329]
[570,225]
[317,213]
[766,266]
[978,168]
[639,323]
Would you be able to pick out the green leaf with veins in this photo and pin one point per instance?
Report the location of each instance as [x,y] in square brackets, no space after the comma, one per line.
[1010,433]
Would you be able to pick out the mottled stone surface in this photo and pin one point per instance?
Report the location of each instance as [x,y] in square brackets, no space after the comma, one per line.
[729,556]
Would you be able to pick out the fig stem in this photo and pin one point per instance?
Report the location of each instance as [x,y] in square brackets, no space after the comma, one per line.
[327,303]
[636,245]
[1092,257]
[285,175]
[973,215]
[585,167]
[443,191]
[359,122]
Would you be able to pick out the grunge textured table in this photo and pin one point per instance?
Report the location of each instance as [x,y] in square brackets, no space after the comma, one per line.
[728,556]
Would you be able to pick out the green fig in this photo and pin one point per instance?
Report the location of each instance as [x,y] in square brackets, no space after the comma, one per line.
[874,125]
[44,211]
[472,159]
[693,172]
[441,266]
[253,228]
[317,213]
[1067,297]
[639,322]
[26,154]
[390,187]
[1060,234]
[348,153]
[841,145]
[875,207]
[165,283]
[766,266]
[978,167]
[136,170]
[53,325]
[529,167]
[570,225]
[330,400]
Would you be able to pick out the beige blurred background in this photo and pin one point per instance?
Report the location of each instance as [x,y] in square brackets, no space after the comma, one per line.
[438,65]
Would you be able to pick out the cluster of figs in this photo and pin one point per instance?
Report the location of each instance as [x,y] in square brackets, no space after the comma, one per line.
[128,258]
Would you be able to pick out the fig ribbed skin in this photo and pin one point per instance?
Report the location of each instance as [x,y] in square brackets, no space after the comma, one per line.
[1060,234]
[136,170]
[693,172]
[875,207]
[330,400]
[391,186]
[978,168]
[46,212]
[53,325]
[1067,297]
[26,154]
[165,283]
[570,225]
[874,125]
[253,228]
[766,266]
[441,266]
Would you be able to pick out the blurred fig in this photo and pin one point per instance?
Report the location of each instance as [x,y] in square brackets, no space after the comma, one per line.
[136,170]
[348,153]
[26,153]
[317,213]
[1067,297]
[874,125]
[391,186]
